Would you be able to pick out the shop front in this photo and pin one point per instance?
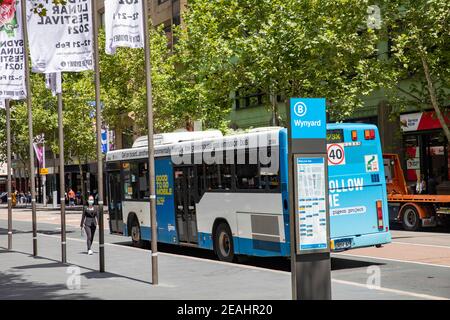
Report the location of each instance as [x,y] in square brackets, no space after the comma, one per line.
[425,149]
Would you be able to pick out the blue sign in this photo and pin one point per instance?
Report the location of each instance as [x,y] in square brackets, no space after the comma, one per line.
[308,118]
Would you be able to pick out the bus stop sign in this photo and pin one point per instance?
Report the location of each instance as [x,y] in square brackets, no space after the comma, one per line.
[308,118]
[308,189]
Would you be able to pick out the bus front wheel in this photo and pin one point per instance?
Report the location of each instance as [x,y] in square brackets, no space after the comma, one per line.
[410,218]
[223,243]
[136,236]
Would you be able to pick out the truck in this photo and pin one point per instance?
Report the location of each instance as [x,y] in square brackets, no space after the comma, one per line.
[413,211]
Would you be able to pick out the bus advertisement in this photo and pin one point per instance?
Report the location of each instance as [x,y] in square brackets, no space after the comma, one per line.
[230,193]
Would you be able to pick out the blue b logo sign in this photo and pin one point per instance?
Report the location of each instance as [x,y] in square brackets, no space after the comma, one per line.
[300,109]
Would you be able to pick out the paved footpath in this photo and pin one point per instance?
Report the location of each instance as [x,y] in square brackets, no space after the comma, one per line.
[128,273]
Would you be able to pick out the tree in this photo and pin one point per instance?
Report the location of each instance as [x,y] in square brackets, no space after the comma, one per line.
[284,48]
[419,31]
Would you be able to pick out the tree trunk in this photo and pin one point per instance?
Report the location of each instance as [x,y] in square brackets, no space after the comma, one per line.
[434,102]
[83,195]
[274,107]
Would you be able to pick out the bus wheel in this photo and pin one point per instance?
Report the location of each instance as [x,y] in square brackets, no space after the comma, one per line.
[410,218]
[223,243]
[136,234]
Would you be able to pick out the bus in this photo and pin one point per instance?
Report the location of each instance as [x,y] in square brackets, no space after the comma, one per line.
[230,193]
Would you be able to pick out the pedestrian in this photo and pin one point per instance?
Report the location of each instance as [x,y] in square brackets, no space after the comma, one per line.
[89,222]
[420,185]
[78,196]
[71,195]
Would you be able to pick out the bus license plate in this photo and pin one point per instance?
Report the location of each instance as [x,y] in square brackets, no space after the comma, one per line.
[342,244]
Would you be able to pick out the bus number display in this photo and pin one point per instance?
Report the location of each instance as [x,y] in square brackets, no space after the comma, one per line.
[335,136]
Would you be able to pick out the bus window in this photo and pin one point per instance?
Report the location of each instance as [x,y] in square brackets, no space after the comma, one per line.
[144,190]
[130,180]
[212,177]
[225,176]
[247,176]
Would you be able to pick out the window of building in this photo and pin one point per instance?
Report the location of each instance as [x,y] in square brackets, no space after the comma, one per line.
[248,100]
[127,138]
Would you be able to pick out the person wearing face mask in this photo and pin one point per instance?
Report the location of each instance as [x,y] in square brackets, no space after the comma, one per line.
[89,222]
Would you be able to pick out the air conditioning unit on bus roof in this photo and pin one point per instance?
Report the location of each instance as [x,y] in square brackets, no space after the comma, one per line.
[263,129]
[177,137]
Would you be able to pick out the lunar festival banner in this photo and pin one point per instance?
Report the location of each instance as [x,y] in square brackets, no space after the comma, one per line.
[62,39]
[12,73]
[123,24]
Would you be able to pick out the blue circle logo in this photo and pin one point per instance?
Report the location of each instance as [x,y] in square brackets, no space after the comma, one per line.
[300,109]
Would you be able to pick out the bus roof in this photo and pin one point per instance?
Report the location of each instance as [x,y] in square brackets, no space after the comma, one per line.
[167,144]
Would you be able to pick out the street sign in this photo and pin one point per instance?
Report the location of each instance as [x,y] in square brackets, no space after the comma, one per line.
[308,118]
[336,154]
[43,171]
[308,189]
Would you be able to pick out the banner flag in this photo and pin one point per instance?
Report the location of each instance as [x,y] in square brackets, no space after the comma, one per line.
[53,82]
[62,39]
[123,25]
[39,149]
[12,72]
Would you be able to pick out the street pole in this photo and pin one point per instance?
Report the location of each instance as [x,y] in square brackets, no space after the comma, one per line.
[30,125]
[62,187]
[99,135]
[151,153]
[8,170]
[44,176]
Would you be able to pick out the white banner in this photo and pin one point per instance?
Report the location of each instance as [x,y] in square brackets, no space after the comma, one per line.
[53,82]
[62,39]
[12,73]
[123,24]
[2,104]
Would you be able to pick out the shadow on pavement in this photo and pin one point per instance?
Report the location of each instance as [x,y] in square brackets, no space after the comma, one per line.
[4,231]
[40,266]
[15,287]
[92,273]
[274,263]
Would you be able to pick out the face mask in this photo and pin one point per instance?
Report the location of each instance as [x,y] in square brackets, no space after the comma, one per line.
[91,202]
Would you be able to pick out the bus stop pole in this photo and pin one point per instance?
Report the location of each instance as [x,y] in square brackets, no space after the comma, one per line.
[101,232]
[62,186]
[308,200]
[8,170]
[30,126]
[151,154]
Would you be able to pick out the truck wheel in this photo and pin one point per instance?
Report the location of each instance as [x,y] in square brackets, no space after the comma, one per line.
[410,218]
[223,243]
[136,236]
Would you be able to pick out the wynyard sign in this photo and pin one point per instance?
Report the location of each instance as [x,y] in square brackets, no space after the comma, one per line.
[308,113]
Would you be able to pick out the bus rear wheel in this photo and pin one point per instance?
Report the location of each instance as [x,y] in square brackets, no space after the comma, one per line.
[223,243]
[136,236]
[410,218]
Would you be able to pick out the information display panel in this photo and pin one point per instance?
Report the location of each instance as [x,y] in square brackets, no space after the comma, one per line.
[311,200]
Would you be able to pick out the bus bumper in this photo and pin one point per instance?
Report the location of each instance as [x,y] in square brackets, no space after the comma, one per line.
[366,240]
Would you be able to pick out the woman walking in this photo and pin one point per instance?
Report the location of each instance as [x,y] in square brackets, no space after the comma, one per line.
[89,222]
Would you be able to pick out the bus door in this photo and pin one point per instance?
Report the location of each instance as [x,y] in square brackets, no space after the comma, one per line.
[115,202]
[184,181]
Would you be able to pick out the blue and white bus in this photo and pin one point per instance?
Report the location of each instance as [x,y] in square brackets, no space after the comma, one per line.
[230,193]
